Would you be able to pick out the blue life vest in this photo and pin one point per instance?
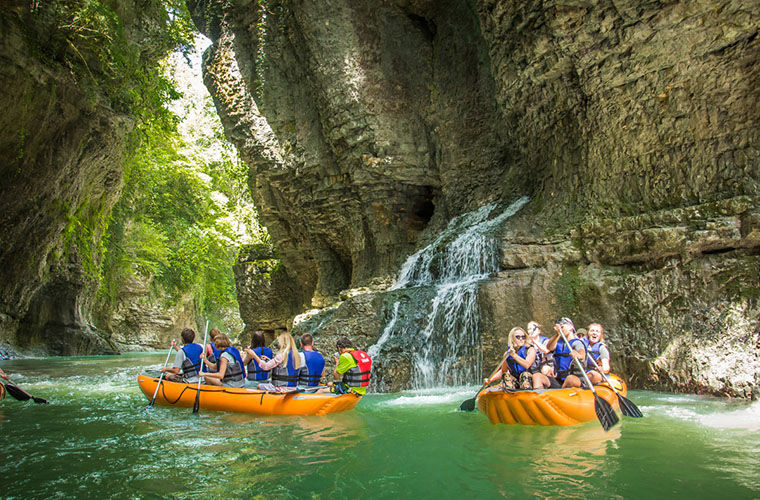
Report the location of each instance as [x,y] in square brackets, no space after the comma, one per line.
[214,358]
[192,362]
[593,351]
[311,374]
[254,370]
[286,375]
[236,371]
[562,359]
[516,368]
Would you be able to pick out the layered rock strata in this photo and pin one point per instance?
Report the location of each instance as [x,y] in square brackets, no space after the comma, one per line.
[62,142]
[632,126]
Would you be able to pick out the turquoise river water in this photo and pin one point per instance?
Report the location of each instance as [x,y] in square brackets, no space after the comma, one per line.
[98,440]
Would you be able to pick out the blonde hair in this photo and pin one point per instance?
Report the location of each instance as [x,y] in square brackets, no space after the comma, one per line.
[514,331]
[287,345]
[222,341]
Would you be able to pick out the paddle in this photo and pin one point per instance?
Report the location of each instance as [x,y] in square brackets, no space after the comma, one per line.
[469,404]
[22,395]
[197,403]
[626,405]
[155,393]
[604,412]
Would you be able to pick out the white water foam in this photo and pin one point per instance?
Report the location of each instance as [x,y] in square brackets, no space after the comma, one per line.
[691,409]
[431,397]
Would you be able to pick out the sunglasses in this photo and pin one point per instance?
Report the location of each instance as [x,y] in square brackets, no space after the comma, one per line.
[519,336]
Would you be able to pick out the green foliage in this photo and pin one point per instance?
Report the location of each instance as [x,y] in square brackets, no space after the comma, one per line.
[117,51]
[174,225]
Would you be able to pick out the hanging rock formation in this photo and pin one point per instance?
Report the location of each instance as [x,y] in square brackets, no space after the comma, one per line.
[632,126]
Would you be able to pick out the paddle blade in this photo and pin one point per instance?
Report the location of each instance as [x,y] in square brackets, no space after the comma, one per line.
[197,403]
[17,392]
[628,408]
[468,404]
[604,412]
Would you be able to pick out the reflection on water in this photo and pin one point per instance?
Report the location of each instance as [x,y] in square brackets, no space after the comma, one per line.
[98,440]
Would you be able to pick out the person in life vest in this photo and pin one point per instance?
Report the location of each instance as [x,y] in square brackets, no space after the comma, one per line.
[212,353]
[285,365]
[255,375]
[519,362]
[187,362]
[230,370]
[544,358]
[539,341]
[597,349]
[353,367]
[313,363]
[568,374]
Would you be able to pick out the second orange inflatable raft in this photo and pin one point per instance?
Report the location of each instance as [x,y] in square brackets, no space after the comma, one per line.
[548,406]
[245,400]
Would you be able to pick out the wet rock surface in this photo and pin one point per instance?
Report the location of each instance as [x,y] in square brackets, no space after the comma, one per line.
[63,146]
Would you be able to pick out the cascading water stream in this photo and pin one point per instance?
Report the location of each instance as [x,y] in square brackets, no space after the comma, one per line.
[447,348]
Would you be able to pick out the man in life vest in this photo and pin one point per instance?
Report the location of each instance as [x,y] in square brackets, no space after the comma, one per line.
[567,372]
[313,363]
[353,367]
[187,362]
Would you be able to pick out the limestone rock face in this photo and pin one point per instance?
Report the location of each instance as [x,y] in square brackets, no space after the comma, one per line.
[632,126]
[266,293]
[62,145]
[140,322]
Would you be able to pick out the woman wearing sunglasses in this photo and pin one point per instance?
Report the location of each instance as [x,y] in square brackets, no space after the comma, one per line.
[519,361]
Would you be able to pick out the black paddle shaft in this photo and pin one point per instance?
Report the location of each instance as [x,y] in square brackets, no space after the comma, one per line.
[604,412]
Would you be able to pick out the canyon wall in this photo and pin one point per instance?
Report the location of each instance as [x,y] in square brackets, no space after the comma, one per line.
[63,139]
[632,127]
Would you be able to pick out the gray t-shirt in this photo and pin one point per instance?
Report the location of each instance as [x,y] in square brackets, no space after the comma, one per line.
[178,360]
[231,362]
[604,353]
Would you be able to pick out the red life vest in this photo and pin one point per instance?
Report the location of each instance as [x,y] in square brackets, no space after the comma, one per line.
[359,375]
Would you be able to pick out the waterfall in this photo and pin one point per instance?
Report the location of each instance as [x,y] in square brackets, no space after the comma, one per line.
[447,339]
[374,350]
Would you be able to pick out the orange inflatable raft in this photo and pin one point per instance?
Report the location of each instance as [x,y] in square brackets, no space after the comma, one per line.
[548,406]
[245,400]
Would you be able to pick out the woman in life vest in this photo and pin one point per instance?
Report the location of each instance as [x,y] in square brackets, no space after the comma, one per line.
[285,365]
[538,340]
[255,374]
[212,353]
[519,362]
[187,362]
[229,371]
[597,349]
